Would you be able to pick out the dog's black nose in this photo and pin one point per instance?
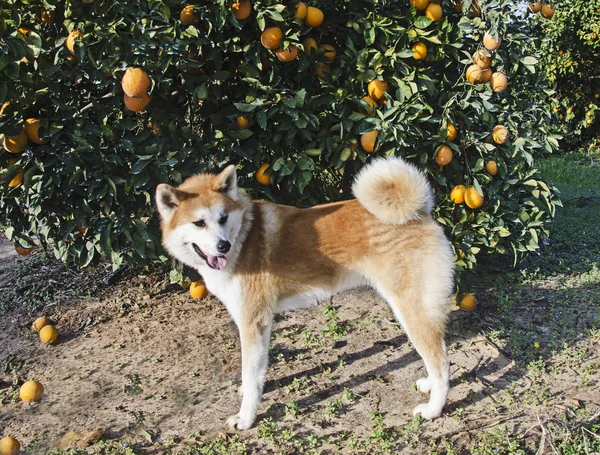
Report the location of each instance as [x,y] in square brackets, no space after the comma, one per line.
[223,246]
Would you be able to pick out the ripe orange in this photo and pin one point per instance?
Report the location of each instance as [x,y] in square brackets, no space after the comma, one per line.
[323,69]
[367,140]
[31,391]
[547,11]
[377,89]
[310,45]
[83,229]
[451,132]
[443,155]
[32,129]
[243,121]
[491,167]
[329,52]
[457,195]
[48,334]
[535,7]
[474,74]
[314,17]
[490,43]
[188,16]
[15,144]
[9,446]
[468,302]
[39,323]
[486,75]
[420,50]
[17,180]
[472,198]
[498,82]
[198,289]
[287,55]
[242,9]
[136,103]
[261,177]
[500,134]
[135,82]
[22,251]
[482,59]
[70,41]
[301,10]
[371,102]
[419,5]
[47,16]
[271,38]
[434,12]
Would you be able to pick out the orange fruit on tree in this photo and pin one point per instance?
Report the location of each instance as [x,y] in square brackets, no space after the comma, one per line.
[377,89]
[48,334]
[498,82]
[500,134]
[287,55]
[188,16]
[367,141]
[434,12]
[473,199]
[136,103]
[491,167]
[329,52]
[198,289]
[242,9]
[482,59]
[135,82]
[47,16]
[261,177]
[16,181]
[9,446]
[70,41]
[32,129]
[490,43]
[419,5]
[301,10]
[314,17]
[474,74]
[457,195]
[243,121]
[486,75]
[15,144]
[39,323]
[451,132]
[22,251]
[420,50]
[468,302]
[535,7]
[31,391]
[443,155]
[372,104]
[271,37]
[547,11]
[323,68]
[310,45]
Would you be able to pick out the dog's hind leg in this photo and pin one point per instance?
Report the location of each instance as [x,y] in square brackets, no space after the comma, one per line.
[424,323]
[255,332]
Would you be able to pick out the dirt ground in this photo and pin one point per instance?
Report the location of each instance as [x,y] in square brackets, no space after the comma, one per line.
[144,362]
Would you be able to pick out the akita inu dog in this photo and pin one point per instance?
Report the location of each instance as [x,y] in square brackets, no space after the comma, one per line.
[260,258]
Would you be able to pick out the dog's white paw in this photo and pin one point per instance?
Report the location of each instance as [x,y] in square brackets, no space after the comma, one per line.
[235,422]
[424,385]
[427,411]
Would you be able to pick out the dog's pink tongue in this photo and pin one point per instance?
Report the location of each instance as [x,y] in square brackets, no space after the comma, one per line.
[217,262]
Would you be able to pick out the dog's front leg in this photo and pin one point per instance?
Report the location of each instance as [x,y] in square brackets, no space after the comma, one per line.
[254,336]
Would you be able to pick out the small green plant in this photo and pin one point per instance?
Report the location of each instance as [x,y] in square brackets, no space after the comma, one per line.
[334,408]
[292,409]
[133,385]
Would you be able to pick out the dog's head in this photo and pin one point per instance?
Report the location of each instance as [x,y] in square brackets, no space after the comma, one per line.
[202,218]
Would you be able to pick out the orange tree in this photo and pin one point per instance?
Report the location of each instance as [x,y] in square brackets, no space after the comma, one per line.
[298,96]
[571,59]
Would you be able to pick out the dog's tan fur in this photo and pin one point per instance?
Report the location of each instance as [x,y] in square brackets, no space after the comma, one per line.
[284,258]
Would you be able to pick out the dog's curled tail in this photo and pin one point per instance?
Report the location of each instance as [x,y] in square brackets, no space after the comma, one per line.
[393,190]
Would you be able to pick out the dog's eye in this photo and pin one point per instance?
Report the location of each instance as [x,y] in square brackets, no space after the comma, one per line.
[200,223]
[223,219]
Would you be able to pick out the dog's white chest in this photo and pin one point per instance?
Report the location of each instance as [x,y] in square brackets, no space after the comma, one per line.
[228,290]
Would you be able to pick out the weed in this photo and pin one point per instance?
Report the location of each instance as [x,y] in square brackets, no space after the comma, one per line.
[292,409]
[334,408]
[133,385]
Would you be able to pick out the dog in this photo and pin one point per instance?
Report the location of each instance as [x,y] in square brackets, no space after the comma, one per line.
[260,258]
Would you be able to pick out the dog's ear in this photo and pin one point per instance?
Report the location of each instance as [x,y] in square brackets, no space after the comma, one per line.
[168,200]
[226,182]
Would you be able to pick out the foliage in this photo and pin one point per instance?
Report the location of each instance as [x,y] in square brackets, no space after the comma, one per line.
[103,162]
[571,60]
